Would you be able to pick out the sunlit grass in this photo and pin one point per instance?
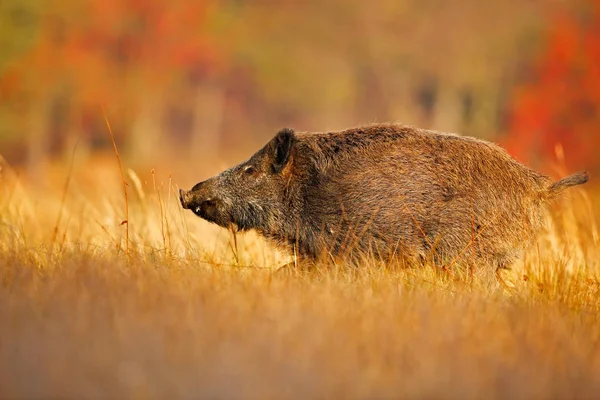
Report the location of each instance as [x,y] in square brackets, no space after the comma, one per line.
[189,314]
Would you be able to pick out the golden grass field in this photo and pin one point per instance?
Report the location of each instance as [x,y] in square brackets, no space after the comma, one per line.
[189,314]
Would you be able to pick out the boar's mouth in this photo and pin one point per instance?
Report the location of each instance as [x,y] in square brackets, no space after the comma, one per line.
[211,210]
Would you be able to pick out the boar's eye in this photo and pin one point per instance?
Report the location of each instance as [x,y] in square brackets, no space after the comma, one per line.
[249,170]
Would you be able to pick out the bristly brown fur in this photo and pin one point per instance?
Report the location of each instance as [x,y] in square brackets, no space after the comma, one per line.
[385,190]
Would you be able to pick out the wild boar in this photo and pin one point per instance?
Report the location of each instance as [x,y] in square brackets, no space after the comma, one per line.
[386,191]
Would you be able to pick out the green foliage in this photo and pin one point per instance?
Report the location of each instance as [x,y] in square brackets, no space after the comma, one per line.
[19,26]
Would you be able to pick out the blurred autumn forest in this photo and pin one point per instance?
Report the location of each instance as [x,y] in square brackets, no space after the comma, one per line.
[196,81]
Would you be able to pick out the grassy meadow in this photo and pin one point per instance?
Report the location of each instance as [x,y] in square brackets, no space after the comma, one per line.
[169,306]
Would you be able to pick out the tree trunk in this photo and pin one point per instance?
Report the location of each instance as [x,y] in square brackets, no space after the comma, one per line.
[76,144]
[207,123]
[146,128]
[37,139]
[447,113]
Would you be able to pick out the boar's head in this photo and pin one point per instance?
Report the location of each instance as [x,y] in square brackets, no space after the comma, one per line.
[249,195]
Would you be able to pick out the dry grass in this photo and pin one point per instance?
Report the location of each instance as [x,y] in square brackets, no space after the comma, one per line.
[183,317]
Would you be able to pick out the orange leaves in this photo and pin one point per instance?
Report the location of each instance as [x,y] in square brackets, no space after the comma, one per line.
[95,47]
[166,35]
[561,104]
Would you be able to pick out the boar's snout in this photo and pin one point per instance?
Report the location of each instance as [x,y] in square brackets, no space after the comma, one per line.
[184,198]
[199,201]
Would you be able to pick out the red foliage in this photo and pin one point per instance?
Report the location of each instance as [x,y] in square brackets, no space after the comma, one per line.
[94,46]
[561,104]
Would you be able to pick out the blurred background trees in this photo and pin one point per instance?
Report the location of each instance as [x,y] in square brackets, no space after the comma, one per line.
[198,81]
[558,101]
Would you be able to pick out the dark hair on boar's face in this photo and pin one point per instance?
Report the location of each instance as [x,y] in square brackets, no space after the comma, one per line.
[247,196]
[394,192]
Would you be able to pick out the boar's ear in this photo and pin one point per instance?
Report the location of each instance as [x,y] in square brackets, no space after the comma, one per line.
[282,147]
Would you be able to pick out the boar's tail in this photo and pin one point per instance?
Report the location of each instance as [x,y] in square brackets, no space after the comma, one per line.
[572,180]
